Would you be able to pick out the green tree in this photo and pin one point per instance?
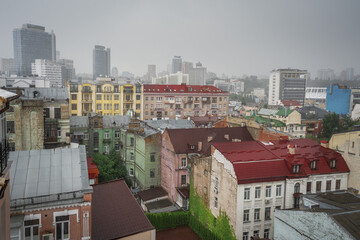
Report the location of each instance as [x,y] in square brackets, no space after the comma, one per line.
[331,124]
[111,167]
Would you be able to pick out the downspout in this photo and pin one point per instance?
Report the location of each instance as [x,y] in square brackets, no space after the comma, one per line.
[285,193]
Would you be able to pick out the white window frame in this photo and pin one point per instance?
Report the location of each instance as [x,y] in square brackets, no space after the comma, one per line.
[268,191]
[257,214]
[247,192]
[106,135]
[257,192]
[183,162]
[131,172]
[246,215]
[278,190]
[62,228]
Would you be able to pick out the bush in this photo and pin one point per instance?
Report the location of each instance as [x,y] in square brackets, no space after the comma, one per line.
[168,220]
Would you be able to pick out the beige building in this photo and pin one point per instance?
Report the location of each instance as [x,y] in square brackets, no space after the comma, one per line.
[182,101]
[348,144]
[39,119]
[106,98]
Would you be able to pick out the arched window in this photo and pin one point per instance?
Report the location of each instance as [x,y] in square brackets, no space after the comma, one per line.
[297,188]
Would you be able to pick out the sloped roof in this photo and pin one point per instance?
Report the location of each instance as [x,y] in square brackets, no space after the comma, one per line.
[205,120]
[46,93]
[186,140]
[170,124]
[152,193]
[289,103]
[171,89]
[284,112]
[108,121]
[267,112]
[79,121]
[311,112]
[115,212]
[254,161]
[47,172]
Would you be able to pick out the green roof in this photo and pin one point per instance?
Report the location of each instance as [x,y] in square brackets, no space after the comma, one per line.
[282,112]
[274,122]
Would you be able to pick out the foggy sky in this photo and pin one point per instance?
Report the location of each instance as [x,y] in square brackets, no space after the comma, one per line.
[231,37]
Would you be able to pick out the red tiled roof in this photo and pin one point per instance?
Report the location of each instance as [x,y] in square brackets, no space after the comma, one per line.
[256,162]
[115,212]
[187,140]
[90,163]
[288,103]
[164,88]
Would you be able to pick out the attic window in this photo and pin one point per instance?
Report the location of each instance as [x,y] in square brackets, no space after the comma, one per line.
[313,165]
[296,168]
[332,163]
[192,146]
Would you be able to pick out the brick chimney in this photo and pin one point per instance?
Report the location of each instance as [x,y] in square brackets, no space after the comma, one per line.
[226,136]
[292,149]
[199,146]
[324,143]
[209,138]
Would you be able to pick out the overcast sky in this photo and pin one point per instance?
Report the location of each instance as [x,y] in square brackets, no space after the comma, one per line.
[231,37]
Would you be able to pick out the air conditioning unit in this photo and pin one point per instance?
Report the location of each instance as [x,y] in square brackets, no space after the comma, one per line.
[48,236]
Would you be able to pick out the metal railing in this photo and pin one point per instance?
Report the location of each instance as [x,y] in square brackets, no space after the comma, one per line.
[4,154]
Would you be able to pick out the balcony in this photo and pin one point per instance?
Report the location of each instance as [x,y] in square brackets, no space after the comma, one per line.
[107,140]
[4,154]
[89,100]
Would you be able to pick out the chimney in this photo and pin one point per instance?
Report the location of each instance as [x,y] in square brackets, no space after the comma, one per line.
[324,143]
[210,138]
[199,146]
[243,124]
[292,149]
[226,136]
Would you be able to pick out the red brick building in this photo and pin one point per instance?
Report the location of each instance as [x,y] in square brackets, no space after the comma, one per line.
[50,194]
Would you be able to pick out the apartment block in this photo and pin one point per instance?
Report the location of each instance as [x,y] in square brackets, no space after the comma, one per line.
[182,101]
[106,98]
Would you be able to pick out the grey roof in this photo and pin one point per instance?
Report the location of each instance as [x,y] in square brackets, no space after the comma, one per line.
[46,175]
[46,93]
[79,121]
[120,121]
[267,112]
[170,124]
[311,112]
[6,94]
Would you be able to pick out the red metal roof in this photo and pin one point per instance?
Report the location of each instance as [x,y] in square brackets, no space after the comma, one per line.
[288,103]
[115,212]
[164,88]
[256,162]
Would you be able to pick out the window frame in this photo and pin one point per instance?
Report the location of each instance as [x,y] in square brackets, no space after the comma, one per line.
[62,222]
[268,191]
[257,192]
[247,192]
[278,190]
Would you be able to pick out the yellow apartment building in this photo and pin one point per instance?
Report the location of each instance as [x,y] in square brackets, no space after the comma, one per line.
[106,99]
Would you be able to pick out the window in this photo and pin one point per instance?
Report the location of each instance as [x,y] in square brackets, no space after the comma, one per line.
[328,185]
[73,97]
[308,187]
[246,215]
[267,213]
[117,134]
[131,156]
[98,96]
[297,188]
[62,228]
[216,202]
[246,193]
[117,147]
[31,228]
[73,106]
[59,132]
[10,126]
[152,157]
[268,191]
[98,106]
[131,172]
[137,97]
[146,98]
[296,168]
[257,214]
[338,183]
[256,232]
[152,173]
[318,186]
[278,190]
[313,165]
[332,163]
[106,149]
[46,112]
[246,236]
[137,106]
[257,192]
[57,113]
[183,162]
[116,97]
[216,184]
[132,141]
[267,233]
[183,179]
[106,135]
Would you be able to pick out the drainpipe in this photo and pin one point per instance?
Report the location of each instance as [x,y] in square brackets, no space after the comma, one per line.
[285,194]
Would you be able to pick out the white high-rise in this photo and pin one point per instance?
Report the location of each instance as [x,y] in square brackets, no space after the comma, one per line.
[48,69]
[287,84]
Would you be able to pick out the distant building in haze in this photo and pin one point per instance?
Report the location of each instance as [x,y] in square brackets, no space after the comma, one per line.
[67,70]
[326,74]
[197,75]
[101,61]
[7,66]
[32,42]
[287,84]
[114,72]
[151,72]
[48,69]
[186,66]
[176,64]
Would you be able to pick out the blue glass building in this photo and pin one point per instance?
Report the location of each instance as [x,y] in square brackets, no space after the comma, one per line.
[338,99]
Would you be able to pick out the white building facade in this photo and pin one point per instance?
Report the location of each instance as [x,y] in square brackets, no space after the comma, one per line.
[48,69]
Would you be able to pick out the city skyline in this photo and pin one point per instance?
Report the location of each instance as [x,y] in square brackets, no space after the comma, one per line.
[229,37]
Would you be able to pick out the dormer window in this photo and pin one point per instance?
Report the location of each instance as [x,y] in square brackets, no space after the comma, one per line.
[192,146]
[313,165]
[332,163]
[296,168]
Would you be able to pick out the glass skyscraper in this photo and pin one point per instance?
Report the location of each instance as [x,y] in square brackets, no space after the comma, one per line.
[32,42]
[101,61]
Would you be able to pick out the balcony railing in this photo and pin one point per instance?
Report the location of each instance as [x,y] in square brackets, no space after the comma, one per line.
[4,154]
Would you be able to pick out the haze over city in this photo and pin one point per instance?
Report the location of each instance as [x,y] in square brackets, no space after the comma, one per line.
[231,37]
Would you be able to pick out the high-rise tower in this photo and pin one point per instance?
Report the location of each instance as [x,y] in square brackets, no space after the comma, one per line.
[32,42]
[101,61]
